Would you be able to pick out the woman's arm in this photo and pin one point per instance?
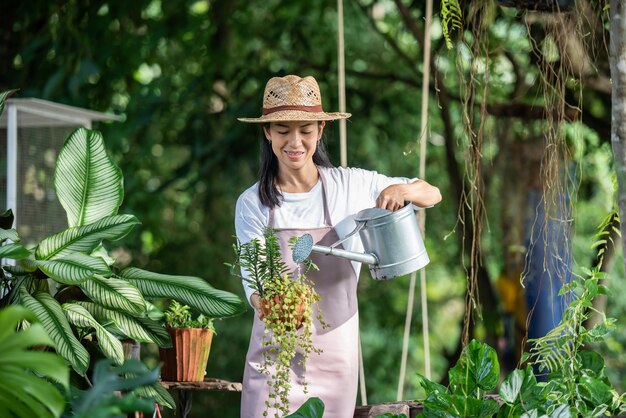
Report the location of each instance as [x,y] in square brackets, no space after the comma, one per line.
[418,192]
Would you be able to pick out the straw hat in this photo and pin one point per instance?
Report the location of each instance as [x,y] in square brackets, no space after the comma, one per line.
[293,98]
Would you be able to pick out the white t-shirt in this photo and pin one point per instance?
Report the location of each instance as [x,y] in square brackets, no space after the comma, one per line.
[348,191]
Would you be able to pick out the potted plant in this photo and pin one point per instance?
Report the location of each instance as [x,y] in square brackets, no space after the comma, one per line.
[286,299]
[73,285]
[191,338]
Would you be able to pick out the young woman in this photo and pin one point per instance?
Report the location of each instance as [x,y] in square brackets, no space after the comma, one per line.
[298,192]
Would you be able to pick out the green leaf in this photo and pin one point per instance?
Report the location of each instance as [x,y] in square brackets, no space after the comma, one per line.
[114,294]
[107,342]
[74,269]
[3,98]
[192,291]
[562,411]
[22,402]
[430,386]
[531,394]
[102,253]
[512,385]
[592,362]
[159,394]
[87,182]
[599,331]
[312,408]
[477,367]
[475,408]
[10,234]
[139,329]
[594,390]
[107,380]
[440,405]
[49,312]
[22,393]
[6,219]
[14,251]
[32,336]
[84,239]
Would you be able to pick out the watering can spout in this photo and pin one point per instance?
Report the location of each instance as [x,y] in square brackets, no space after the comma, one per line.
[304,246]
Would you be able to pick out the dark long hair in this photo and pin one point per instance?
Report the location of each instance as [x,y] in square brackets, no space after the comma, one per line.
[268,192]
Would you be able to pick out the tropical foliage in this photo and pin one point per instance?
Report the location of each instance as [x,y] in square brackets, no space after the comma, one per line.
[33,383]
[572,383]
[116,391]
[72,285]
[90,293]
[180,73]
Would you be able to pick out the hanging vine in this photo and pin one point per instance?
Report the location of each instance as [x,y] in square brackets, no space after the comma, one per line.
[558,99]
[474,96]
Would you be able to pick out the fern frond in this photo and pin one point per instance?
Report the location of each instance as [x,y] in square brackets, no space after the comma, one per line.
[451,18]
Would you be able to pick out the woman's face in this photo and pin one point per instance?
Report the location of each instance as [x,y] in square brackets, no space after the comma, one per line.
[294,143]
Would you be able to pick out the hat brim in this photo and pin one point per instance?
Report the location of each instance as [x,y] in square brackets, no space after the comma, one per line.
[295,115]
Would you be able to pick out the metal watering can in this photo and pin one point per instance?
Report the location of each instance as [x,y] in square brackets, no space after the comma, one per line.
[392,242]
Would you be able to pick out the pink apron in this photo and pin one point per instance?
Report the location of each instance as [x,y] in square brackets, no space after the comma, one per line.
[332,375]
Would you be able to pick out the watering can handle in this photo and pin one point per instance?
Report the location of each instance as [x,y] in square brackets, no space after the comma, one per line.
[359,226]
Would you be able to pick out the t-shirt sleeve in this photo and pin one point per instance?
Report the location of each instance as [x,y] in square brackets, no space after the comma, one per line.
[375,182]
[250,223]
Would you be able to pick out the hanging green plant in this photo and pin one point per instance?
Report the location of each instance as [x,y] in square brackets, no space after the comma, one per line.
[451,18]
[286,301]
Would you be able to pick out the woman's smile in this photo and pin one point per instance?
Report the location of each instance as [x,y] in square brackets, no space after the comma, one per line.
[294,142]
[294,155]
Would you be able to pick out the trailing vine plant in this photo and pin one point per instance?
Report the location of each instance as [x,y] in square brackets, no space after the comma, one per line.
[556,77]
[287,300]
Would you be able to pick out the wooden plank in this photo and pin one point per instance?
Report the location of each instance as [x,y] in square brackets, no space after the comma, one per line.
[364,411]
[209,384]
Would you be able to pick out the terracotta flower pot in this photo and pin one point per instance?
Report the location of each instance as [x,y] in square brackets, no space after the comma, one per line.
[186,360]
[276,304]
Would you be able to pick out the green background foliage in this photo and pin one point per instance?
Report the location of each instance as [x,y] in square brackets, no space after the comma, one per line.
[179,73]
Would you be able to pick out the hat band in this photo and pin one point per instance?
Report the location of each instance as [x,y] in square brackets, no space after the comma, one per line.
[312,109]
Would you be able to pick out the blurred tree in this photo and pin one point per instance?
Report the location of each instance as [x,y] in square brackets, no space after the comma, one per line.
[181,72]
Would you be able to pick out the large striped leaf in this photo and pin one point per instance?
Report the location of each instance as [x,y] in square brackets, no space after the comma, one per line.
[192,291]
[84,239]
[158,393]
[51,316]
[3,98]
[140,329]
[115,294]
[108,343]
[14,251]
[88,183]
[73,269]
[11,234]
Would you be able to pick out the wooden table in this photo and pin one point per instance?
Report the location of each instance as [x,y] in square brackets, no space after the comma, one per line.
[364,411]
[184,391]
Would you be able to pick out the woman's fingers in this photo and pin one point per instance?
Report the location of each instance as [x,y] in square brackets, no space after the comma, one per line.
[389,203]
[391,198]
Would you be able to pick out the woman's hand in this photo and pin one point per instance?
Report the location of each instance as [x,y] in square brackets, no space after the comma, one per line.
[255,300]
[418,192]
[392,198]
